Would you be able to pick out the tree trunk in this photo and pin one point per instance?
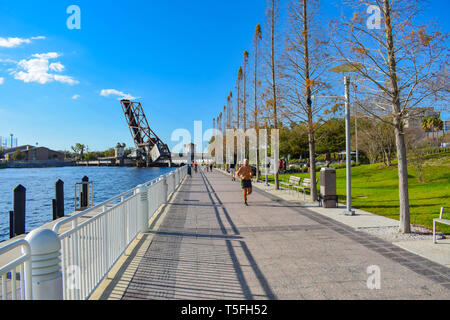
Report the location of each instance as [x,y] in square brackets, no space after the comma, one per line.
[405,226]
[256,108]
[245,96]
[312,144]
[312,157]
[274,87]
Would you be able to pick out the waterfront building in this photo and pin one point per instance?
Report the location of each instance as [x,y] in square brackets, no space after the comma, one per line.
[30,153]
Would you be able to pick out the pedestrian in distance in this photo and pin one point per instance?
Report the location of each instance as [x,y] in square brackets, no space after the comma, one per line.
[233,172]
[195,166]
[245,174]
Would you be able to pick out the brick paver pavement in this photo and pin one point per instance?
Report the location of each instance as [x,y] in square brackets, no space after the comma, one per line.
[210,246]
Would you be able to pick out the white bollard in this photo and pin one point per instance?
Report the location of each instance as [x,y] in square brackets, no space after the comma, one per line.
[143,208]
[45,265]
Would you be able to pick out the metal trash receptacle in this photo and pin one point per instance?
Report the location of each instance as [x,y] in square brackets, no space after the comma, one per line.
[328,192]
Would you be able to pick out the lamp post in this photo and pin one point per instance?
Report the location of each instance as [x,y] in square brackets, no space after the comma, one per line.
[345,69]
[348,137]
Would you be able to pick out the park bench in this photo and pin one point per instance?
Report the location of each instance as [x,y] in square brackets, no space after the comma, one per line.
[305,185]
[440,220]
[293,182]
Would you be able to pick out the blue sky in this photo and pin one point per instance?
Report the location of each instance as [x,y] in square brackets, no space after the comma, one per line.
[180,58]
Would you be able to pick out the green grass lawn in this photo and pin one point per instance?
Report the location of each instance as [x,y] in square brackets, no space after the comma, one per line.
[375,189]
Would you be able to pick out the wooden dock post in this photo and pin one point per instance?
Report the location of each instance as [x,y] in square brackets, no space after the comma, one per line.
[19,200]
[85,193]
[58,202]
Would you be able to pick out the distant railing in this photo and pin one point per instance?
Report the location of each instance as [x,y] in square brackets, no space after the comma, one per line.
[16,285]
[90,242]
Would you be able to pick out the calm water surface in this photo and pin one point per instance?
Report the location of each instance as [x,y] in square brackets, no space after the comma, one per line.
[40,185]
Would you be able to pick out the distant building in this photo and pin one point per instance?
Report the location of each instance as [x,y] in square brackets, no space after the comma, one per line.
[31,153]
[415,120]
[119,151]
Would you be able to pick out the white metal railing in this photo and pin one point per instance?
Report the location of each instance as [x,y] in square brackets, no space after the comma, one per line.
[16,285]
[91,242]
[91,248]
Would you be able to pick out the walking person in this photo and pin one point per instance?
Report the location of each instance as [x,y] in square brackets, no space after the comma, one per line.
[245,174]
[195,166]
[233,172]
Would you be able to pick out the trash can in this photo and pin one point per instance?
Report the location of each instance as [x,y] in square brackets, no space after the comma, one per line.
[328,193]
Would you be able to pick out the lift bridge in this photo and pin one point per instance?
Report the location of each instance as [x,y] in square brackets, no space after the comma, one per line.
[151,151]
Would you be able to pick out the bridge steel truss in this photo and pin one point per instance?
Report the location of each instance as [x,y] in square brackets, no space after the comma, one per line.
[144,137]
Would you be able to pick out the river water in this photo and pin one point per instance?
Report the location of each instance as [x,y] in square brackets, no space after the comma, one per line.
[40,185]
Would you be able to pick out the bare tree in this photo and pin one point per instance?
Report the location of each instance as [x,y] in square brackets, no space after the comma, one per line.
[256,84]
[238,98]
[308,62]
[396,62]
[230,110]
[272,62]
[245,88]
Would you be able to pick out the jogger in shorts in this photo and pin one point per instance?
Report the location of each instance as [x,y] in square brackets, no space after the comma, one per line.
[245,174]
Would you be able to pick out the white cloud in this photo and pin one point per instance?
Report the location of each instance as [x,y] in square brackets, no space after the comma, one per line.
[114,92]
[2,80]
[15,42]
[58,67]
[75,97]
[8,61]
[37,70]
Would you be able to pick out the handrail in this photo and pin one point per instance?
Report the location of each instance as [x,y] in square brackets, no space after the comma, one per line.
[124,194]
[93,219]
[92,247]
[25,274]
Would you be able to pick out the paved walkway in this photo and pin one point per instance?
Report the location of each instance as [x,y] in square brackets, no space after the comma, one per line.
[208,245]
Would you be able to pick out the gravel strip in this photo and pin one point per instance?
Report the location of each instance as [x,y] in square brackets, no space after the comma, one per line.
[392,234]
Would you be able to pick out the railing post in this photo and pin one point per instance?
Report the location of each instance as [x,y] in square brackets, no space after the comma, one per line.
[174,182]
[45,265]
[165,190]
[143,208]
